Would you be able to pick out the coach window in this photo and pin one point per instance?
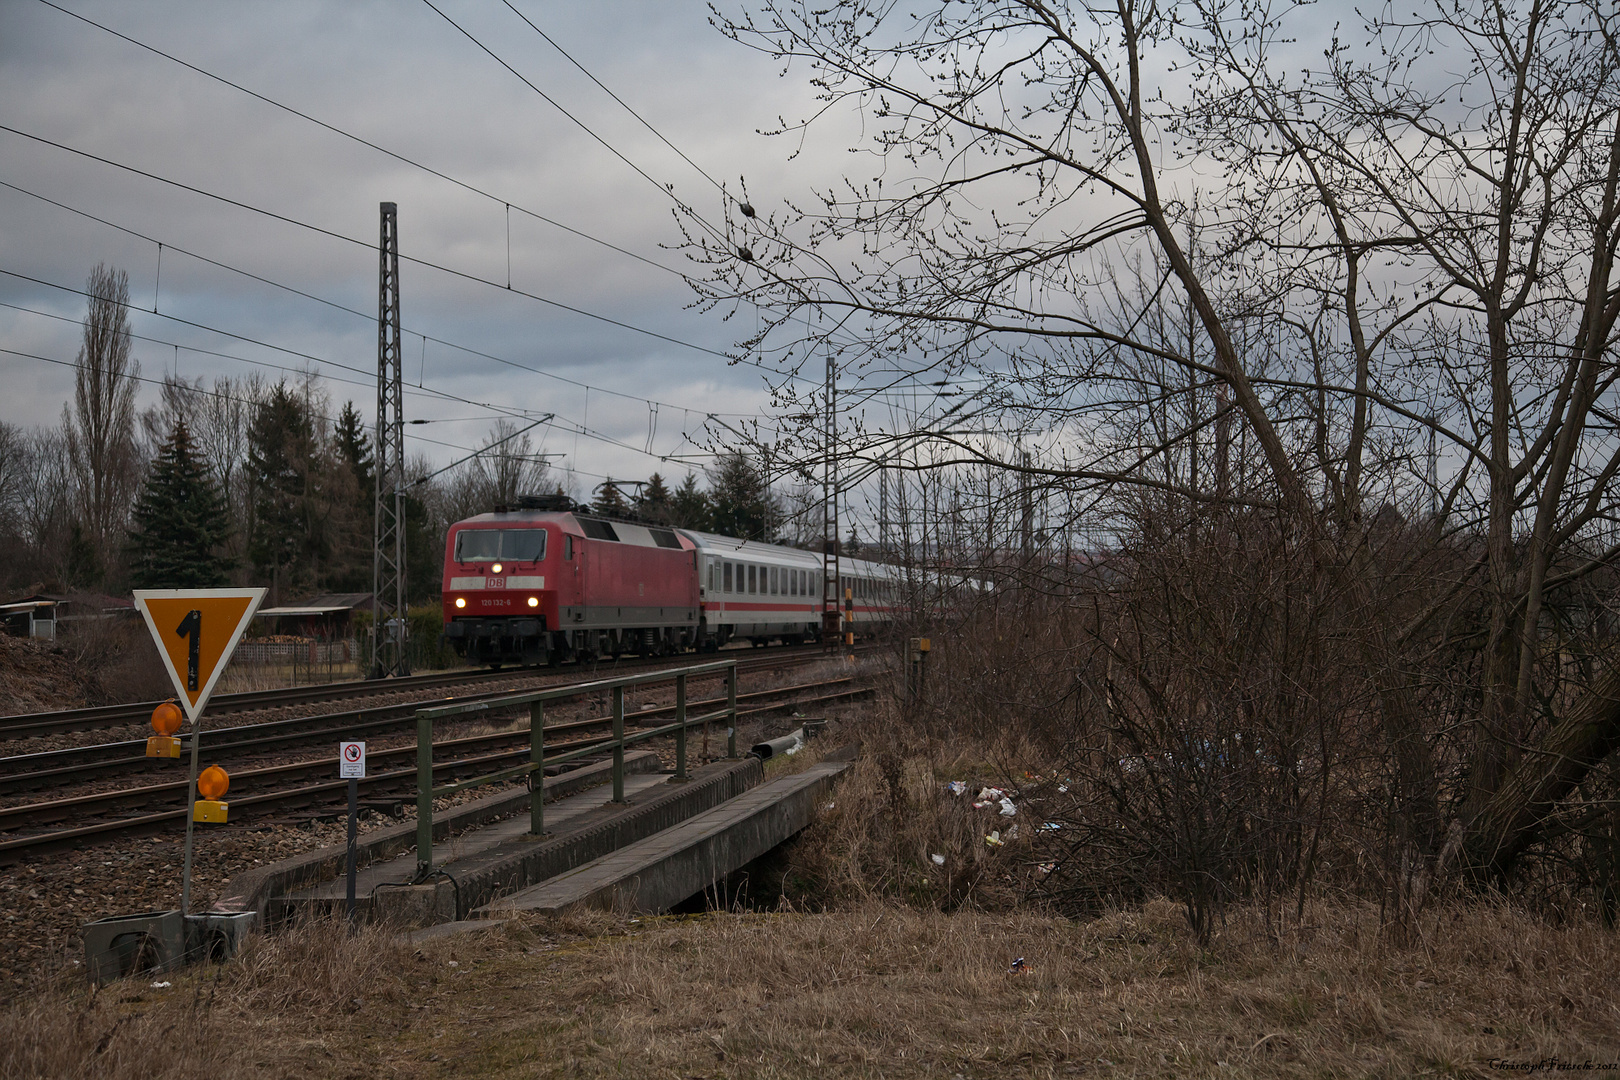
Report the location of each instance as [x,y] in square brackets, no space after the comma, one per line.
[727,573]
[752,584]
[774,581]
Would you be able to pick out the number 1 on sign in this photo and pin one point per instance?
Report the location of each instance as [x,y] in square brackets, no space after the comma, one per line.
[191,627]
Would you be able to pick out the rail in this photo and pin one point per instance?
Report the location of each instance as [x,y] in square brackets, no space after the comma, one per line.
[536,701]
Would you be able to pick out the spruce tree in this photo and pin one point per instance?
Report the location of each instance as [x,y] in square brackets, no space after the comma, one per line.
[689,506]
[281,468]
[740,501]
[610,501]
[180,522]
[653,504]
[354,446]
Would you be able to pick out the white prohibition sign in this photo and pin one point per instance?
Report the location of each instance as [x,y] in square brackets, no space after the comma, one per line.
[352,760]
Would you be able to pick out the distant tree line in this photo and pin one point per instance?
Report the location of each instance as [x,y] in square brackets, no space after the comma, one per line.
[246,481]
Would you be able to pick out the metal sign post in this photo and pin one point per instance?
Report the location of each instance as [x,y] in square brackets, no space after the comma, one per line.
[352,767]
[196,631]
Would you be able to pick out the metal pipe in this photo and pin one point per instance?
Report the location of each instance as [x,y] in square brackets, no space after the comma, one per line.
[537,753]
[618,744]
[772,747]
[731,711]
[424,795]
[680,732]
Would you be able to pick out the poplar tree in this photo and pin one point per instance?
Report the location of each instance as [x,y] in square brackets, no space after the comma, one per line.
[180,522]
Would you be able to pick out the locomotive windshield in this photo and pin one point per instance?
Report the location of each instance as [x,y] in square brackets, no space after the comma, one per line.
[513,545]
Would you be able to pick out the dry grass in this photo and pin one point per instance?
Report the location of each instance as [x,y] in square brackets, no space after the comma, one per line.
[892,814]
[872,990]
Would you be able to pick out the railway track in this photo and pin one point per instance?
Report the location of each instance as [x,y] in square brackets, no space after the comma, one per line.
[26,725]
[311,778]
[50,768]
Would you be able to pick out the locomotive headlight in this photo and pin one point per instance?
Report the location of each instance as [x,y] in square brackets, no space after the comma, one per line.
[534,601]
[495,569]
[461,601]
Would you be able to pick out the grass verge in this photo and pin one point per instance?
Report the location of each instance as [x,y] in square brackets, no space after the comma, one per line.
[872,990]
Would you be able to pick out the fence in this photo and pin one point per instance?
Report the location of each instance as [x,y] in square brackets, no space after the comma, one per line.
[534,767]
[301,662]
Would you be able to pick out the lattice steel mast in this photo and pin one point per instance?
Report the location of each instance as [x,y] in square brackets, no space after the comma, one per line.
[388,554]
[831,578]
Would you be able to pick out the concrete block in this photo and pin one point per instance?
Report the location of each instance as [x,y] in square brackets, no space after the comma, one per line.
[416,905]
[125,945]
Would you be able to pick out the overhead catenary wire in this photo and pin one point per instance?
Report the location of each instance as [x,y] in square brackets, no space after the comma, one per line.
[332,233]
[505,410]
[329,419]
[665,189]
[334,129]
[368,316]
[652,405]
[604,88]
[507,204]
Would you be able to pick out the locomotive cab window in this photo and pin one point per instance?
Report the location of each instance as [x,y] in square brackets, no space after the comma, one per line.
[512,545]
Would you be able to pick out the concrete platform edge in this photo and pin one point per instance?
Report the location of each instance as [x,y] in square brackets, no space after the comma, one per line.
[516,864]
[257,889]
[666,878]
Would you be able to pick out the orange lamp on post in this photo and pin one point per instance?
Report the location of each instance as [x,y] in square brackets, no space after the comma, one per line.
[211,784]
[165,721]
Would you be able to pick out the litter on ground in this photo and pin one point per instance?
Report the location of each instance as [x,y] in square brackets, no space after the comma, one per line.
[939,860]
[1007,808]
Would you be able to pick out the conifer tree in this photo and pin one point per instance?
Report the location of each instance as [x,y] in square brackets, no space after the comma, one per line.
[689,506]
[610,501]
[180,522]
[289,541]
[653,504]
[740,501]
[354,446]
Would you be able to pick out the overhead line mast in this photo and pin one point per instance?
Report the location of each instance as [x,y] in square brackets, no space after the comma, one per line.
[831,577]
[389,610]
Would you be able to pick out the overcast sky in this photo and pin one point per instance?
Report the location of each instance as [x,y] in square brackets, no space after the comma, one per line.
[403,77]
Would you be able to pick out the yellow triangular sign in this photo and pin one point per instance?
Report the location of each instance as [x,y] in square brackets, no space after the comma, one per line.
[196,631]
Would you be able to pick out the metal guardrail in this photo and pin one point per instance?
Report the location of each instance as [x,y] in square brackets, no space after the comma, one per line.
[536,701]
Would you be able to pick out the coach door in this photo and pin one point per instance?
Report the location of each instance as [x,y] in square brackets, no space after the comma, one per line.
[574,556]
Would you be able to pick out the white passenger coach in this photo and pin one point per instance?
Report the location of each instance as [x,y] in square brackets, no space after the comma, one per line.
[763,592]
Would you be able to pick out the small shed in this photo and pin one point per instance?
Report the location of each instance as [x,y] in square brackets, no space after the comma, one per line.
[328,617]
[33,616]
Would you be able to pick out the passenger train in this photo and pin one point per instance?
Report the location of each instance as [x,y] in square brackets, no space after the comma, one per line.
[535,584]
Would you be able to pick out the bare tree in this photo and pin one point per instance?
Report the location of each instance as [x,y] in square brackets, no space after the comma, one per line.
[100,426]
[45,499]
[505,468]
[1180,260]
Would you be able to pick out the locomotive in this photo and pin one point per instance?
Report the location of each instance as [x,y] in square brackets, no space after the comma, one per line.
[545,582]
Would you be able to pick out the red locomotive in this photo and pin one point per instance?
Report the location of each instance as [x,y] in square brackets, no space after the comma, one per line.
[547,583]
